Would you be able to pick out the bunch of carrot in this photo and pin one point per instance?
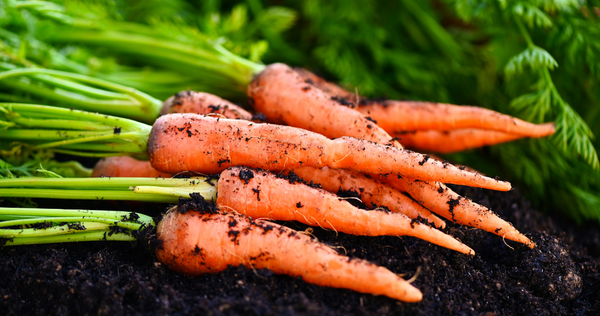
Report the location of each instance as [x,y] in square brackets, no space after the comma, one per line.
[370,158]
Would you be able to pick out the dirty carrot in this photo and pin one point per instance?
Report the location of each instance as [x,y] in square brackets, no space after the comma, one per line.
[204,240]
[370,191]
[203,103]
[399,116]
[126,166]
[285,97]
[453,141]
[260,194]
[191,142]
[443,201]
[195,243]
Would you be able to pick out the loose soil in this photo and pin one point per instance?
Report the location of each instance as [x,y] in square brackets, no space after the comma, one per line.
[559,277]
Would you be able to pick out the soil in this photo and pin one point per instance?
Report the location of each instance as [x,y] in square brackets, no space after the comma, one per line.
[559,277]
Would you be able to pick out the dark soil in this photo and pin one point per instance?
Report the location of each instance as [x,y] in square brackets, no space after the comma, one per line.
[559,277]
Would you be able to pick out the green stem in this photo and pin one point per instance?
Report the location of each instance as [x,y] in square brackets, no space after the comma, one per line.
[79,237]
[127,102]
[158,190]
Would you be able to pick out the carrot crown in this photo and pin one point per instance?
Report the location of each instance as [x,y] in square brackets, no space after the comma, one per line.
[72,131]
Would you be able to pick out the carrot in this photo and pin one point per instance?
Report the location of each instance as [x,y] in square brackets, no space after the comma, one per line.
[126,166]
[443,201]
[260,194]
[284,97]
[454,140]
[190,142]
[371,192]
[400,116]
[194,243]
[203,103]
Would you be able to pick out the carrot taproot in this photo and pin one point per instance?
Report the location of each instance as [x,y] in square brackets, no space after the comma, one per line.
[191,142]
[260,194]
[126,166]
[285,97]
[195,243]
[203,103]
[409,116]
[444,202]
[370,191]
[400,116]
[455,140]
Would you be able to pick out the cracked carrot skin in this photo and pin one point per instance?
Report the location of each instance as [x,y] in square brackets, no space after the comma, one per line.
[369,190]
[285,97]
[126,166]
[400,116]
[191,142]
[203,103]
[443,201]
[260,194]
[195,243]
[446,142]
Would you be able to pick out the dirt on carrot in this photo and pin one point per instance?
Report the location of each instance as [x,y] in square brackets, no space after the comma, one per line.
[286,97]
[189,142]
[204,103]
[263,195]
[371,192]
[195,243]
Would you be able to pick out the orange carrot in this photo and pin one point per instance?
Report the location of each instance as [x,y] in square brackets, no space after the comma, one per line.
[454,140]
[370,191]
[259,194]
[443,201]
[203,103]
[285,97]
[195,243]
[401,116]
[126,166]
[190,142]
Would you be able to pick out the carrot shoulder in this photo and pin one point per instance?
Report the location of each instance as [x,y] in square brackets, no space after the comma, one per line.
[260,194]
[203,103]
[370,191]
[454,140]
[195,243]
[126,166]
[402,116]
[190,142]
[285,97]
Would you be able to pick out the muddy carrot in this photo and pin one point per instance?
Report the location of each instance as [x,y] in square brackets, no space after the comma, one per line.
[126,166]
[399,116]
[260,194]
[190,142]
[203,103]
[194,243]
[454,140]
[285,97]
[443,201]
[370,191]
